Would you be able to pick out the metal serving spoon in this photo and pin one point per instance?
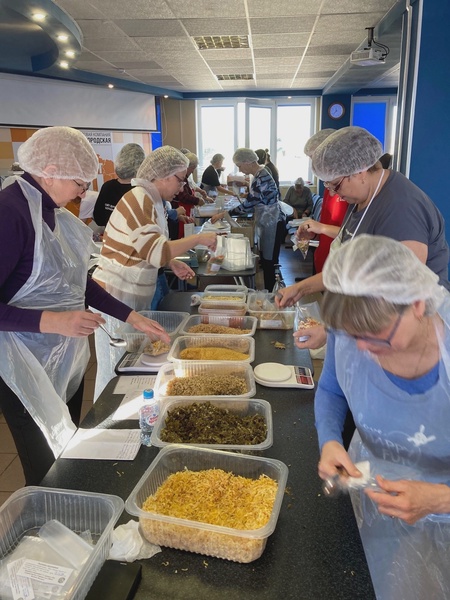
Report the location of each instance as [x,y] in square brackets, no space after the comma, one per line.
[116,342]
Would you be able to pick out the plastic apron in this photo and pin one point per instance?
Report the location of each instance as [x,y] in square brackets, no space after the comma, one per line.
[337,242]
[407,562]
[266,219]
[141,278]
[45,370]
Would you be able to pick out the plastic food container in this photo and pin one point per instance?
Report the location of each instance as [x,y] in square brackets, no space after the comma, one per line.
[233,310]
[28,509]
[171,321]
[189,369]
[212,299]
[242,344]
[263,307]
[213,540]
[242,408]
[232,289]
[242,322]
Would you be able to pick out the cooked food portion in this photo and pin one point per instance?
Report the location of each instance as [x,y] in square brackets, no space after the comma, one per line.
[205,423]
[213,353]
[207,385]
[156,348]
[216,497]
[212,328]
[222,299]
[307,323]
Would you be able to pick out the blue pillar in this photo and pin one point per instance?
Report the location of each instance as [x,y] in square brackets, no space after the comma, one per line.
[430,142]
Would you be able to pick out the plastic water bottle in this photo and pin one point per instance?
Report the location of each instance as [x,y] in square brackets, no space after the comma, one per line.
[148,414]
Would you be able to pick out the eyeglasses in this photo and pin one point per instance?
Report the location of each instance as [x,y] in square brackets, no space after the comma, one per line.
[82,186]
[180,180]
[380,342]
[333,186]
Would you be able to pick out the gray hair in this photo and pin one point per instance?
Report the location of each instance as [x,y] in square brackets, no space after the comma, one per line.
[245,155]
[217,158]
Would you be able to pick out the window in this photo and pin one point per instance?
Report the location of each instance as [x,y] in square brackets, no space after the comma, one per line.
[377,114]
[281,126]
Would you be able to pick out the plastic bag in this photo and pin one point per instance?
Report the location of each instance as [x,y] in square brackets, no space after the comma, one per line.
[216,259]
[306,316]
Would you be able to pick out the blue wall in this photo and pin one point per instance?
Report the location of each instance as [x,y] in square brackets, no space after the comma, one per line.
[430,156]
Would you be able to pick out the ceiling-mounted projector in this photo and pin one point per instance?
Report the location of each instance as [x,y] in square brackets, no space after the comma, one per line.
[371,55]
[368,57]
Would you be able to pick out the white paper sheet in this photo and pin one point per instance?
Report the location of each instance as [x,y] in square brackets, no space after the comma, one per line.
[134,383]
[129,407]
[104,444]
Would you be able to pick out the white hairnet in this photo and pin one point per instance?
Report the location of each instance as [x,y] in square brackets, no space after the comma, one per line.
[59,153]
[244,155]
[161,163]
[345,152]
[217,158]
[315,141]
[128,161]
[299,181]
[193,159]
[380,267]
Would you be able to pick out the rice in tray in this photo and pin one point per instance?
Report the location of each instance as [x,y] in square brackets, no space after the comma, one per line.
[215,497]
[207,385]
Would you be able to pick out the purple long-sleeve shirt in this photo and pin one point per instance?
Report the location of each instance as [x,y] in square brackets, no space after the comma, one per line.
[17,237]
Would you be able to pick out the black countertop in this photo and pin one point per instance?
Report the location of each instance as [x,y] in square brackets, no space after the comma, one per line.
[315,551]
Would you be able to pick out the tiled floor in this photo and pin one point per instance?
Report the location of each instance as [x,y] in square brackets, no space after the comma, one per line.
[11,475]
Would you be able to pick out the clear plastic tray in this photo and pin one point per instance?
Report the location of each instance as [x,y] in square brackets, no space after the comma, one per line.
[243,408]
[171,321]
[263,307]
[213,540]
[233,342]
[226,288]
[188,369]
[241,322]
[212,299]
[24,513]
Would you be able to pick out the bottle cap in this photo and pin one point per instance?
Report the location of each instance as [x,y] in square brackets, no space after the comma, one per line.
[147,394]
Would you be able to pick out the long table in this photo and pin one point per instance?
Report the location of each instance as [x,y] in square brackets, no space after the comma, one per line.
[315,552]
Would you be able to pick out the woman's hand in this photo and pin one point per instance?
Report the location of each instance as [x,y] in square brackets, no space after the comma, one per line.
[218,217]
[71,323]
[317,337]
[308,230]
[181,269]
[185,219]
[208,239]
[333,458]
[148,326]
[288,296]
[410,500]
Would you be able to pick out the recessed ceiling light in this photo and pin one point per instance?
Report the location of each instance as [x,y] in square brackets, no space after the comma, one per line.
[166,96]
[64,64]
[70,53]
[62,37]
[39,16]
[110,85]
[289,97]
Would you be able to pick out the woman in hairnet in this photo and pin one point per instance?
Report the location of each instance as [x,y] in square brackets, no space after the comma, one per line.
[388,361]
[263,199]
[381,202]
[136,245]
[126,164]
[44,290]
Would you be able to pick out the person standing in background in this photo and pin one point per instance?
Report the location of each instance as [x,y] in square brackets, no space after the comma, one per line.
[126,165]
[186,197]
[211,177]
[333,207]
[264,159]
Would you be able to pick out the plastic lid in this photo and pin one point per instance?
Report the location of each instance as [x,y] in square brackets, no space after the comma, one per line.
[147,394]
